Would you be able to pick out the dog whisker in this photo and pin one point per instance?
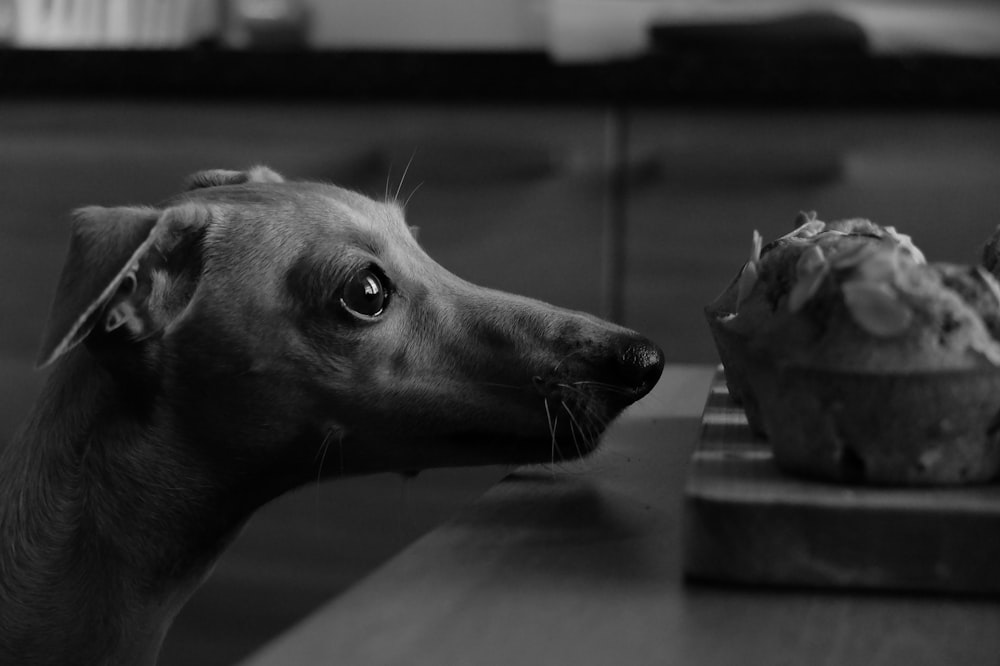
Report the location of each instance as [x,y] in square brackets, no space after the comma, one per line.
[402,178]
[585,418]
[574,426]
[566,358]
[594,420]
[503,386]
[575,390]
[321,452]
[569,412]
[410,196]
[604,386]
[552,429]
[324,448]
[321,449]
[584,398]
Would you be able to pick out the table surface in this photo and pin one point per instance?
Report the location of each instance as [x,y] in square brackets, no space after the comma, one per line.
[582,565]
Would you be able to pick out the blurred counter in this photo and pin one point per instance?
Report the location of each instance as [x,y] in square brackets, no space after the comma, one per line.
[676,77]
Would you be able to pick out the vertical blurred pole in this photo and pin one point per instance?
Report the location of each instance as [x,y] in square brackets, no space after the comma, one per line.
[615,214]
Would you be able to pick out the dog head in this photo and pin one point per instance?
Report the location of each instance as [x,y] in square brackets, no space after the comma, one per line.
[269,321]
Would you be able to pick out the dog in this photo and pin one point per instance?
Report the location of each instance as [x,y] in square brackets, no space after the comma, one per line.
[206,354]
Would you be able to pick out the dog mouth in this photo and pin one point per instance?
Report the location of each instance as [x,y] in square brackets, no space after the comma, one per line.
[535,425]
[566,421]
[559,414]
[549,431]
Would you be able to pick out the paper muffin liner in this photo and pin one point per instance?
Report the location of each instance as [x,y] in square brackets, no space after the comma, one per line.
[886,428]
[742,365]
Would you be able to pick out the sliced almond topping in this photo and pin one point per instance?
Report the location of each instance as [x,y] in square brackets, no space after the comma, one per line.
[990,282]
[805,289]
[811,260]
[879,266]
[748,278]
[906,242]
[808,229]
[852,255]
[810,270]
[876,308]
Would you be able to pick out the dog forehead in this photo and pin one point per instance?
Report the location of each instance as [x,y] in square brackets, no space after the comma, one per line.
[287,219]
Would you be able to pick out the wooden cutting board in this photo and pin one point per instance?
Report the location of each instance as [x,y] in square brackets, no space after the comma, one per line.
[746,522]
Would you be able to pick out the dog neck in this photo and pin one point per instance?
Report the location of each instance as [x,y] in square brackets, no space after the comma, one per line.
[106,530]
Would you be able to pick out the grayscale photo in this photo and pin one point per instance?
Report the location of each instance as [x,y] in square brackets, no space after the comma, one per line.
[499,332]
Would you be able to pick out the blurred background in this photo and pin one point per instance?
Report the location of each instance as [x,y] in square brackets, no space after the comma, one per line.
[603,155]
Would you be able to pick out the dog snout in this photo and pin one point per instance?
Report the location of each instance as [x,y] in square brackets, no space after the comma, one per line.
[637,365]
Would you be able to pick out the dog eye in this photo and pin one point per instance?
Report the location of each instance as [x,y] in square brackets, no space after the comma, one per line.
[364,294]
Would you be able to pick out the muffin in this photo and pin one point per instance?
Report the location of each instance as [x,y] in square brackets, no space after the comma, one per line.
[762,292]
[866,364]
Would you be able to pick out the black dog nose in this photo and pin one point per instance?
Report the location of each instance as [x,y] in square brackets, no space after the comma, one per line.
[639,365]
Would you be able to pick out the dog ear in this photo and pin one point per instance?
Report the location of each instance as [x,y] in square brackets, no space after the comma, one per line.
[219,177]
[111,271]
